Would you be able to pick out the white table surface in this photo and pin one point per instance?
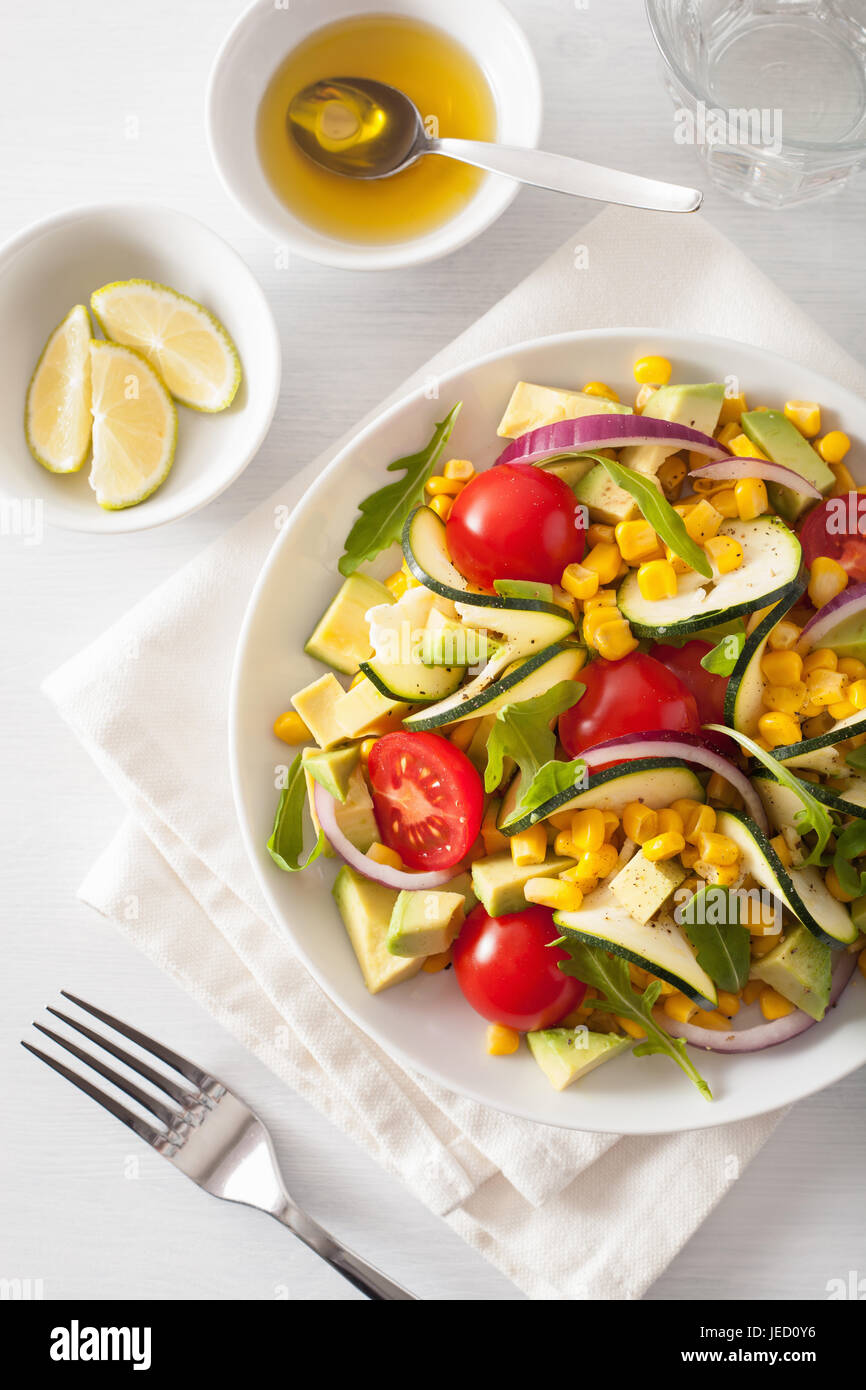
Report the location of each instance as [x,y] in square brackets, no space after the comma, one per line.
[84,1207]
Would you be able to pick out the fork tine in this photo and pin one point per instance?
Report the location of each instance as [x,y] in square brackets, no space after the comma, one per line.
[156,1078]
[114,1107]
[199,1078]
[162,1112]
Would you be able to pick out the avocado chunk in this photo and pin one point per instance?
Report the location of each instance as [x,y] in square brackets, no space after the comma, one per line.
[366,909]
[799,968]
[341,637]
[332,768]
[463,884]
[781,441]
[566,1054]
[317,705]
[605,500]
[570,470]
[532,406]
[365,710]
[499,882]
[355,816]
[642,887]
[697,407]
[425,923]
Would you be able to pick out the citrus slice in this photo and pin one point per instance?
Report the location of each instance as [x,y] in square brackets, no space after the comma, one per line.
[57,411]
[189,348]
[134,427]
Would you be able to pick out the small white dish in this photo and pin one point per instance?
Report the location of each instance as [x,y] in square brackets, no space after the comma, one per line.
[51,266]
[426,1023]
[267,32]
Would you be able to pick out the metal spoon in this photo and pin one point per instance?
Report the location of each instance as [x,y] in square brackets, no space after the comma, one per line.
[369,130]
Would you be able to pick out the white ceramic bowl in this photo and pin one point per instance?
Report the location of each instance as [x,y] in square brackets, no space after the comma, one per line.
[47,268]
[260,41]
[426,1022]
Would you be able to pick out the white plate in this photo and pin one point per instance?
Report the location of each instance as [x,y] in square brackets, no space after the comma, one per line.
[426,1022]
[47,268]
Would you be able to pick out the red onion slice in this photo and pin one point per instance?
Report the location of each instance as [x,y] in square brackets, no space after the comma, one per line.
[666,743]
[606,432]
[818,630]
[756,468]
[326,810]
[761,1035]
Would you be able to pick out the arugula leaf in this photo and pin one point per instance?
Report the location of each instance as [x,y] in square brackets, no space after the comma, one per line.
[711,919]
[814,815]
[725,655]
[551,778]
[857,758]
[286,844]
[522,731]
[850,845]
[384,512]
[659,513]
[609,974]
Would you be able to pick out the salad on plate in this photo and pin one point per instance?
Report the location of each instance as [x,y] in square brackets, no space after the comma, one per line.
[598,745]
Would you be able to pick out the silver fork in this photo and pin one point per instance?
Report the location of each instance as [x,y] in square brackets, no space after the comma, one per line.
[208,1133]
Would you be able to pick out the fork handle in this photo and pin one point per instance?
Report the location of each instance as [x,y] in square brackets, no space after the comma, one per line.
[366,1277]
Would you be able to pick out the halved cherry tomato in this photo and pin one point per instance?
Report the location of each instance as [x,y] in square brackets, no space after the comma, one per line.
[427,798]
[707,688]
[510,973]
[837,529]
[515,521]
[632,696]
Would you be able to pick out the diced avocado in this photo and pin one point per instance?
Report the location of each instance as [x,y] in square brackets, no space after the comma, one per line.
[799,968]
[532,406]
[355,815]
[448,642]
[605,500]
[463,884]
[643,886]
[697,407]
[499,882]
[317,705]
[566,1054]
[782,442]
[366,908]
[425,923]
[570,470]
[332,768]
[365,710]
[342,637]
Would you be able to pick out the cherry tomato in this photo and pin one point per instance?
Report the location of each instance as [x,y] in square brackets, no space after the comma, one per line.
[707,688]
[515,522]
[632,696]
[837,529]
[427,798]
[510,973]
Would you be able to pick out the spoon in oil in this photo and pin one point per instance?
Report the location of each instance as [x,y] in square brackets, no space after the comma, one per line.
[369,130]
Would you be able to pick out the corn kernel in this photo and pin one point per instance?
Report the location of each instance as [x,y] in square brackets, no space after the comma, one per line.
[671,476]
[835,889]
[614,640]
[783,636]
[579,582]
[782,668]
[643,397]
[728,1004]
[666,846]
[822,659]
[774,1005]
[557,893]
[611,824]
[852,668]
[786,699]
[587,883]
[461,469]
[595,620]
[764,942]
[669,819]
[717,849]
[599,532]
[654,369]
[778,730]
[726,503]
[834,446]
[563,845]
[710,1018]
[843,710]
[629,1026]
[690,857]
[605,598]
[366,749]
[699,820]
[743,447]
[855,692]
[529,846]
[441,961]
[732,429]
[604,560]
[724,552]
[382,854]
[637,542]
[719,789]
[442,505]
[598,388]
[587,829]
[844,480]
[494,841]
[826,687]
[639,822]
[780,845]
[752,990]
[677,1006]
[751,495]
[657,579]
[703,522]
[396,583]
[726,875]
[443,486]
[501,1041]
[599,863]
[732,408]
[826,579]
[806,415]
[291,728]
[464,733]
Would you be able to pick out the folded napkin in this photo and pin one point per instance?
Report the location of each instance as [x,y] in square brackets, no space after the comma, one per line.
[563,1214]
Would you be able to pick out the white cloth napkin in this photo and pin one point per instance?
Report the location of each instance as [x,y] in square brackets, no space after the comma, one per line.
[564,1215]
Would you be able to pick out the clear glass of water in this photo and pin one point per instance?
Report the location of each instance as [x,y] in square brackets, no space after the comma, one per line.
[771,92]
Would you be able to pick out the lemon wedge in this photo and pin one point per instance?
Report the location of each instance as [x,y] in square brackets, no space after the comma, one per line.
[134,427]
[185,343]
[57,411]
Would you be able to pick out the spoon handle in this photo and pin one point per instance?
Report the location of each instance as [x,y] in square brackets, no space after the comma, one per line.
[565,175]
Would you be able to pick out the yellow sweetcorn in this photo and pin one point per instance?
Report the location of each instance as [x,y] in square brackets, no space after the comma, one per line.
[643,397]
[752,990]
[611,824]
[822,659]
[671,476]
[596,619]
[657,579]
[717,849]
[529,846]
[678,1007]
[396,583]
[669,819]
[843,710]
[653,369]
[494,841]
[599,532]
[461,469]
[844,480]
[557,893]
[726,503]
[703,521]
[442,505]
[852,668]
[665,846]
[684,806]
[604,560]
[382,854]
[782,667]
[786,699]
[806,415]
[834,446]
[637,542]
[725,875]
[743,447]
[580,582]
[725,552]
[827,578]
[732,408]
[587,883]
[629,1026]
[732,429]
[784,636]
[598,388]
[826,687]
[780,845]
[438,485]
[834,887]
[774,1005]
[690,857]
[441,961]
[464,733]
[501,1040]
[855,692]
[762,943]
[366,749]
[587,829]
[605,598]
[719,789]
[563,845]
[751,495]
[677,563]
[699,821]
[711,1018]
[778,730]
[639,822]
[598,863]
[615,640]
[291,728]
[728,1004]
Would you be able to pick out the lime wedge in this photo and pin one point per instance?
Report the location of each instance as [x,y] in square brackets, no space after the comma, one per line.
[57,411]
[189,348]
[134,427]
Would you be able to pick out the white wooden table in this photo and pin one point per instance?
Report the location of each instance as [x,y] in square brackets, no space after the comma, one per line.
[88,1211]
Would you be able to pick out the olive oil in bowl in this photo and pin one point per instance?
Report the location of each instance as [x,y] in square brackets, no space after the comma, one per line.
[436,73]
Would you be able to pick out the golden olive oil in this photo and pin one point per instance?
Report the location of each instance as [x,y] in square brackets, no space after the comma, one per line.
[445,83]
